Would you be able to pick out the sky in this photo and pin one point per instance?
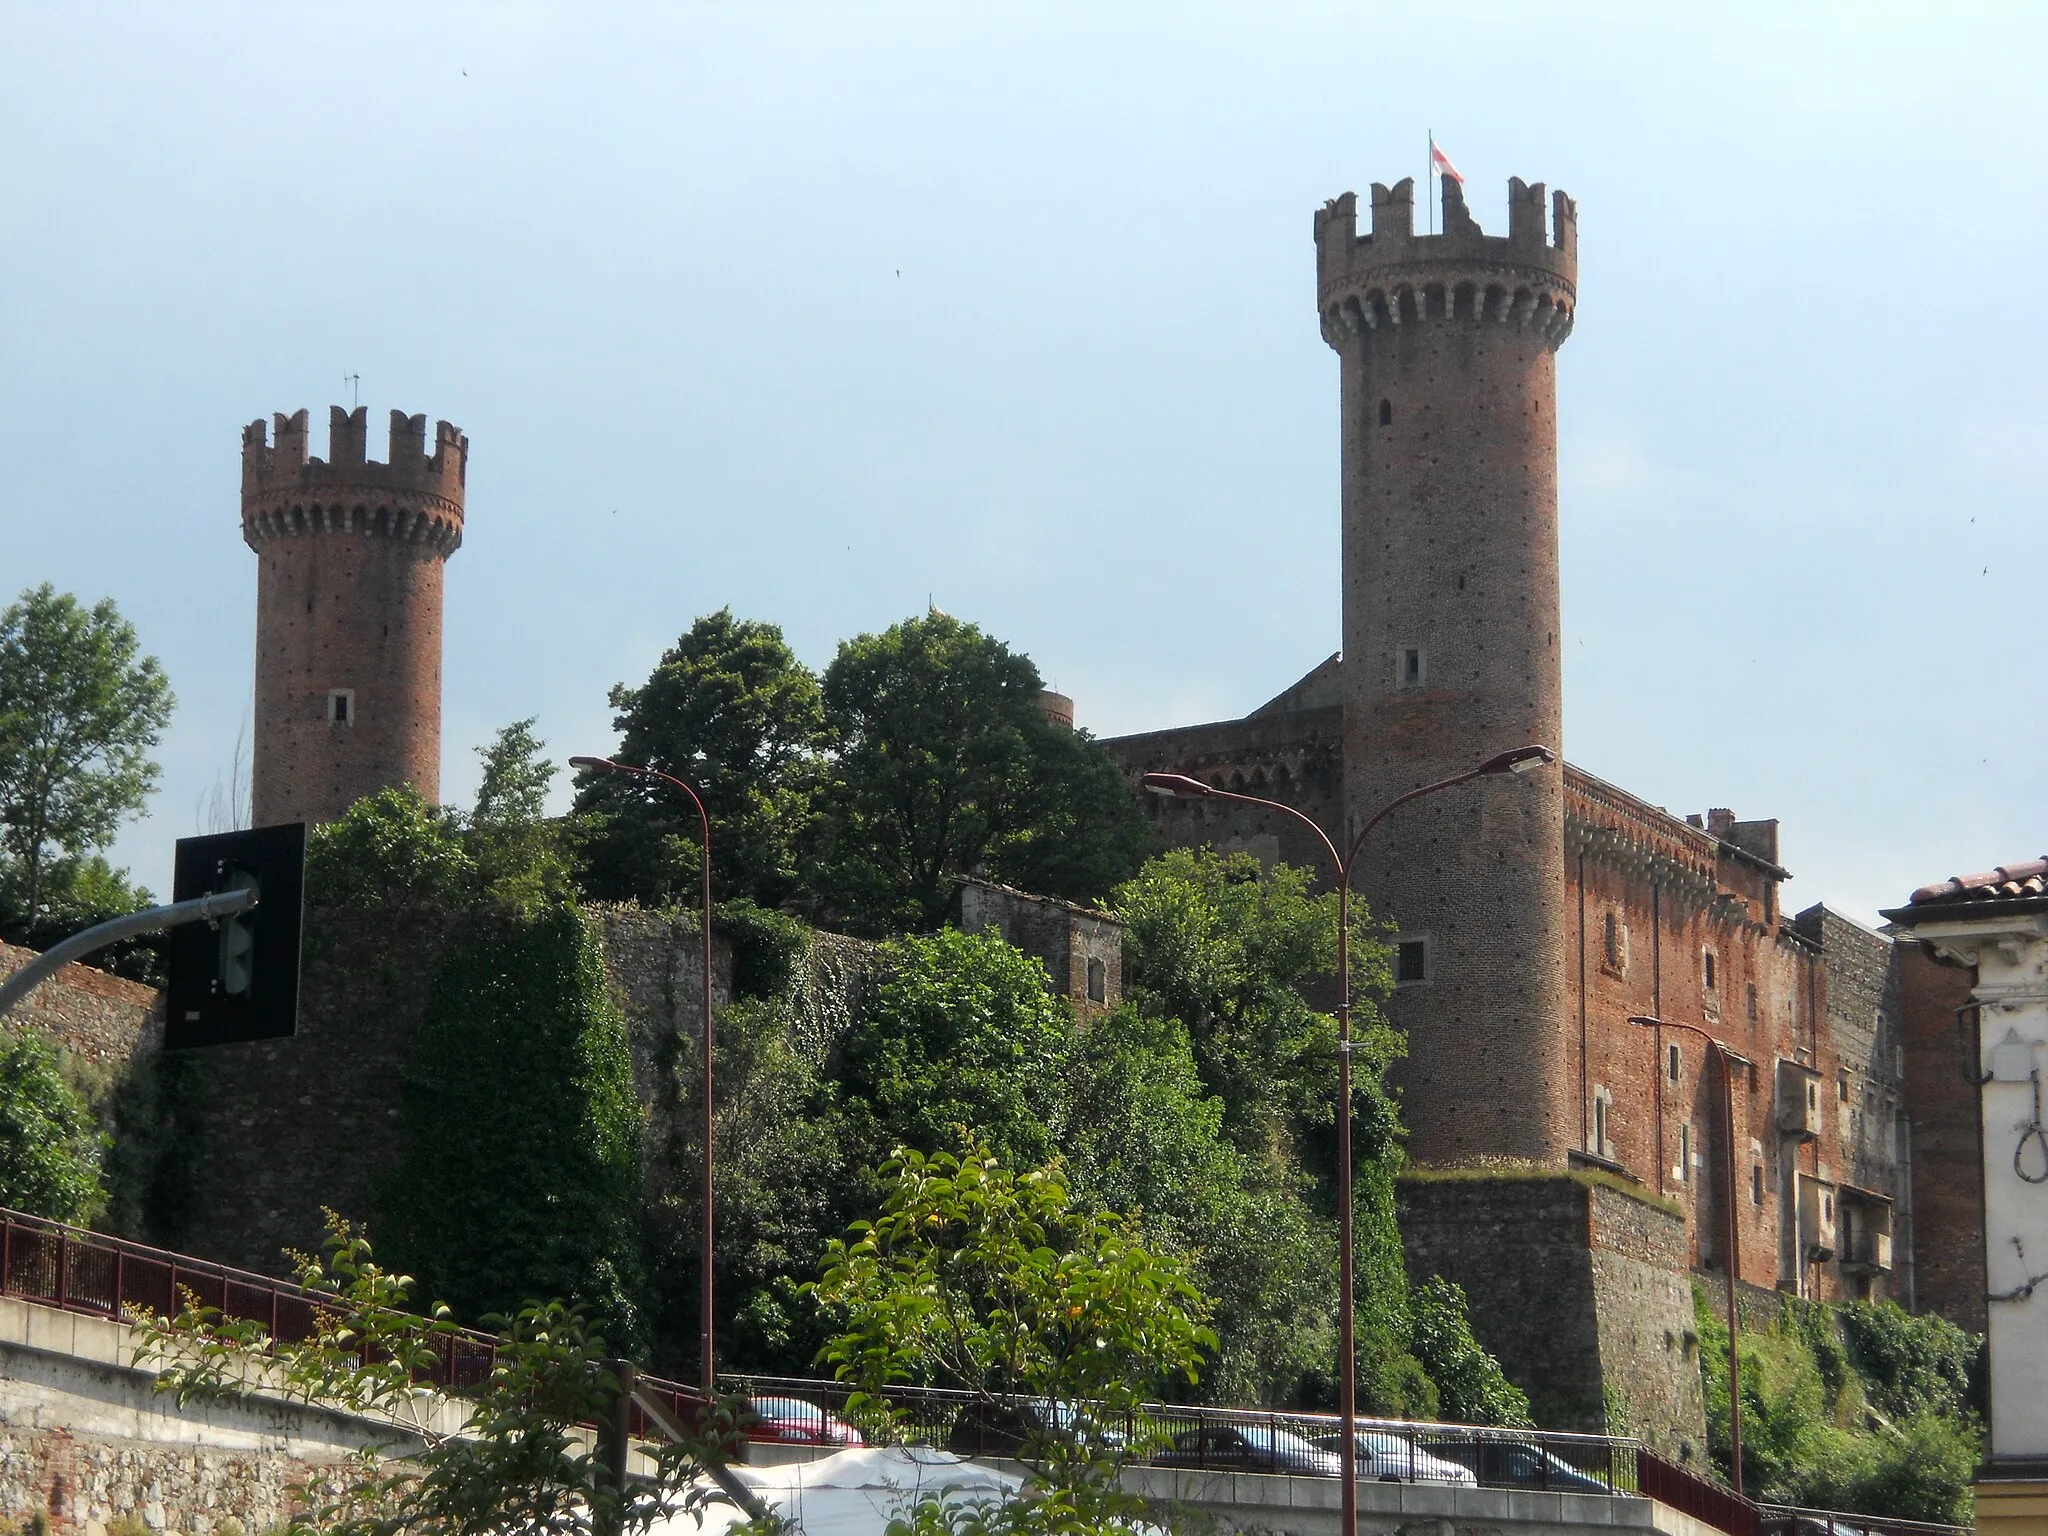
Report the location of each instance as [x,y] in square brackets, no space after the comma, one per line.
[827,313]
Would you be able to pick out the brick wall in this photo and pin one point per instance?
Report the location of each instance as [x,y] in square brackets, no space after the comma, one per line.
[1945,1142]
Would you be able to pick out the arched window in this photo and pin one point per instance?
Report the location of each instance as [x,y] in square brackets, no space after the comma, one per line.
[1386,413]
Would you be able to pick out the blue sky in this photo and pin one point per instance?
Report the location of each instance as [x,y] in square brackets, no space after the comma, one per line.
[821,312]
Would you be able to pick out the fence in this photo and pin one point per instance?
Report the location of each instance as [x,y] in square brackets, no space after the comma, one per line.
[1791,1520]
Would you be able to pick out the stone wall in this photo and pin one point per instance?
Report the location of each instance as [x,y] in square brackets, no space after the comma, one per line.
[95,1017]
[1578,1289]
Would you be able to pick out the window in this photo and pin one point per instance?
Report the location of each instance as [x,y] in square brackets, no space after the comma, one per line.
[1386,413]
[1603,1124]
[1098,982]
[1842,1086]
[341,706]
[1756,1185]
[1684,1167]
[1707,968]
[1614,943]
[1750,996]
[1408,667]
[1672,1061]
[1411,962]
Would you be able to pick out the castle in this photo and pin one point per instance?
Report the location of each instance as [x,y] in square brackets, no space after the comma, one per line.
[1534,917]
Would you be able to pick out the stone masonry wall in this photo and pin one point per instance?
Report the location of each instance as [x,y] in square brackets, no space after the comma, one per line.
[1580,1291]
[96,1017]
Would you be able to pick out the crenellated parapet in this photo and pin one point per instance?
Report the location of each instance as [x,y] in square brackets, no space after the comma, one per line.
[1376,283]
[413,496]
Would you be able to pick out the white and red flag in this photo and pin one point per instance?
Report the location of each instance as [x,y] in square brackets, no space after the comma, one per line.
[1441,162]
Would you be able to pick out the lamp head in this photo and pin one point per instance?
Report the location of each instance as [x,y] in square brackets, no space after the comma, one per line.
[592,762]
[1177,785]
[1518,760]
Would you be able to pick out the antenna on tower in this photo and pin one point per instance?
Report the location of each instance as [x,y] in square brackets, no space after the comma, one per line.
[353,381]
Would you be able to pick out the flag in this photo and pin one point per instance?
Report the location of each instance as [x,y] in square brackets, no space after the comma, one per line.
[1441,163]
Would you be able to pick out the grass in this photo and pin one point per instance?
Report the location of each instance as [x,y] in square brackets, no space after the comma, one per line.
[1509,1170]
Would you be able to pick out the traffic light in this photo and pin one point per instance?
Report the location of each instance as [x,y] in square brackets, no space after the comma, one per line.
[237,978]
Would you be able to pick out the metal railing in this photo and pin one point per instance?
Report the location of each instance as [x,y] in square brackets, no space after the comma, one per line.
[56,1265]
[1690,1494]
[1237,1439]
[1792,1520]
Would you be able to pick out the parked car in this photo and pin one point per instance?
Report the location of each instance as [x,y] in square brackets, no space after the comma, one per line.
[795,1421]
[1246,1448]
[1520,1464]
[1392,1458]
[1020,1428]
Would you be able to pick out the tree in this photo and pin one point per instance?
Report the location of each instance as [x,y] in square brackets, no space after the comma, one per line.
[517,773]
[999,1284]
[732,713]
[962,1035]
[1471,1387]
[50,1147]
[944,764]
[526,859]
[80,711]
[513,1458]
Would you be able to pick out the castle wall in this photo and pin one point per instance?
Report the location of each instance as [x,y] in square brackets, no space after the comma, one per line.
[1081,949]
[92,1016]
[1578,1289]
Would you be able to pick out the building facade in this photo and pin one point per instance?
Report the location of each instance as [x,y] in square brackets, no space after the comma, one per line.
[348,609]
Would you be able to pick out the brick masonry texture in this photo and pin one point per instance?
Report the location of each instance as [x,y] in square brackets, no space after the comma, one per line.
[348,598]
[1577,1289]
[1946,1142]
[95,1017]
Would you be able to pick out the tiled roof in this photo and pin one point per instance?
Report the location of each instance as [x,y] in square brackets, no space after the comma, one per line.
[2006,883]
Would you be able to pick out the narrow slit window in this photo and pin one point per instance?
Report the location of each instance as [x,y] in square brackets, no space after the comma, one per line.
[1707,956]
[341,706]
[1683,1170]
[1672,1062]
[1408,667]
[1756,1186]
[1386,413]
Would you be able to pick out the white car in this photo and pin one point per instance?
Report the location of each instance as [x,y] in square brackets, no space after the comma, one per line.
[1387,1457]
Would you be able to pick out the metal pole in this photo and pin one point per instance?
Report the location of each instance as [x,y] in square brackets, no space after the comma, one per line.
[199,909]
[1347,1350]
[1734,1264]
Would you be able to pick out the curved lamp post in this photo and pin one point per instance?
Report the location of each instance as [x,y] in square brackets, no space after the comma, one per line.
[1519,760]
[606,765]
[1734,1254]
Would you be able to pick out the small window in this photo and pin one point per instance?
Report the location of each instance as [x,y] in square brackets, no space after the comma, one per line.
[1603,1123]
[1684,1168]
[1842,1086]
[1749,997]
[1386,413]
[1756,1185]
[1672,1060]
[1408,667]
[1098,982]
[1707,957]
[1610,940]
[1827,1207]
[1411,962]
[341,706]
[1812,1097]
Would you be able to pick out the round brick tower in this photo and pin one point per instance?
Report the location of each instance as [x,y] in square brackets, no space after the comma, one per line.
[1448,345]
[348,610]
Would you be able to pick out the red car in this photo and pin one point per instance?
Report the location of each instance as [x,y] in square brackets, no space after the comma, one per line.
[792,1421]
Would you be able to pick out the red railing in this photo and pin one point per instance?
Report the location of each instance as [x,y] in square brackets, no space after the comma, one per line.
[56,1265]
[1690,1494]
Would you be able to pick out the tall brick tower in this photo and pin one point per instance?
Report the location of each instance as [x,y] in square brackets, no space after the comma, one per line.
[348,609]
[1448,345]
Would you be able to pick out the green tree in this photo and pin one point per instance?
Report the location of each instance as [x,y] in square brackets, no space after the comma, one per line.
[50,1146]
[81,709]
[944,764]
[517,773]
[962,1034]
[515,1458]
[732,713]
[524,858]
[1470,1385]
[1001,1285]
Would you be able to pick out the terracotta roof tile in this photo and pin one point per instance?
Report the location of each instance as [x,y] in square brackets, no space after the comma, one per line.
[2006,882]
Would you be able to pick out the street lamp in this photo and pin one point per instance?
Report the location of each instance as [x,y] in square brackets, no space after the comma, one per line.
[1517,761]
[1734,1254]
[606,765]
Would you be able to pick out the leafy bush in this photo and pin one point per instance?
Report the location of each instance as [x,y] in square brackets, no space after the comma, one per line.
[50,1146]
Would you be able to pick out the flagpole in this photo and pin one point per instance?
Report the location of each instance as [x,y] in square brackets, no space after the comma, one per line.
[1429,180]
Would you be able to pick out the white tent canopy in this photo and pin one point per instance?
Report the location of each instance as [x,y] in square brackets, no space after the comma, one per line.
[852,1493]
